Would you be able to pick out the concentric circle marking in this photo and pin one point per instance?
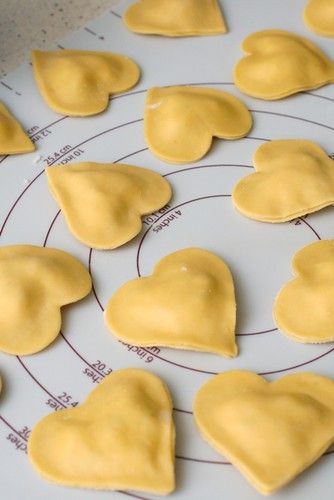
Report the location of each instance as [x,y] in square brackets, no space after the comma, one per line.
[269,330]
[90,253]
[190,168]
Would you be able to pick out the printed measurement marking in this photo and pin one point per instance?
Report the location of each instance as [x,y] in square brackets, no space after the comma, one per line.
[21,438]
[154,216]
[115,14]
[140,351]
[54,405]
[62,401]
[33,130]
[101,371]
[19,443]
[37,134]
[172,216]
[17,438]
[74,154]
[25,432]
[96,379]
[298,221]
[91,32]
[4,84]
[67,399]
[52,158]
[36,130]
[41,134]
[102,367]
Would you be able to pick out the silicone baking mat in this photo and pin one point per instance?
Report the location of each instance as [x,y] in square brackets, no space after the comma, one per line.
[200,214]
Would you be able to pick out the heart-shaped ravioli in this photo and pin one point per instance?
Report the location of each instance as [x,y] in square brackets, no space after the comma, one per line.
[292,178]
[79,82]
[35,283]
[121,437]
[279,63]
[180,122]
[175,17]
[188,303]
[270,431]
[304,308]
[115,196]
[13,139]
[319,17]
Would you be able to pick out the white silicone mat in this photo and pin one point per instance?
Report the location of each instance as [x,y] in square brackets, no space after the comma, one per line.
[200,214]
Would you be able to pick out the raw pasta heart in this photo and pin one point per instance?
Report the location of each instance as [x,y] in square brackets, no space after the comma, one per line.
[180,122]
[13,139]
[35,283]
[279,63]
[79,82]
[319,17]
[292,178]
[270,431]
[121,437]
[188,303]
[175,17]
[304,308]
[115,197]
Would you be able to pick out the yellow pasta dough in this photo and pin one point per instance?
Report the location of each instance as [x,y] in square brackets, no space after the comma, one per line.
[175,17]
[35,283]
[304,308]
[270,431]
[13,139]
[319,17]
[188,303]
[292,178]
[279,63]
[121,437]
[103,202]
[180,122]
[79,82]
